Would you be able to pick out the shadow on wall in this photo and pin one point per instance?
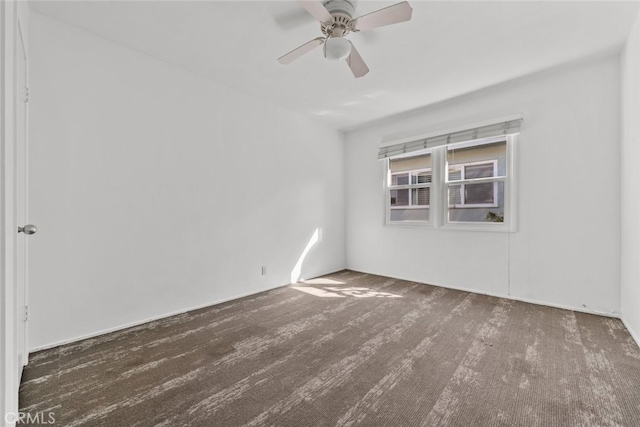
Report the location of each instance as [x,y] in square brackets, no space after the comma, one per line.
[315,238]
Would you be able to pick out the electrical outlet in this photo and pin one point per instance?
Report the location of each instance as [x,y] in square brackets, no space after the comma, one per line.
[264,270]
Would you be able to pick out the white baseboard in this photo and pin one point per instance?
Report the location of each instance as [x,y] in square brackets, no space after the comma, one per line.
[613,314]
[505,296]
[631,331]
[151,319]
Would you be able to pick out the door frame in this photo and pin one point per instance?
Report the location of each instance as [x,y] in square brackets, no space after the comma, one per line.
[11,12]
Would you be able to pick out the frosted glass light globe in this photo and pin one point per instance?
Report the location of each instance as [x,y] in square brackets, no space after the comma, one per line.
[337,48]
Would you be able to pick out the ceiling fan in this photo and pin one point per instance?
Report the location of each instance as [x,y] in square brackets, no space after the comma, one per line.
[336,21]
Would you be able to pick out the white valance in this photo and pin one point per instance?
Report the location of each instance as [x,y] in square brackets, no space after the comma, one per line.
[485,131]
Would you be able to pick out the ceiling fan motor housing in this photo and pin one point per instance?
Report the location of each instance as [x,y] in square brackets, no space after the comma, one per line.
[343,7]
[342,12]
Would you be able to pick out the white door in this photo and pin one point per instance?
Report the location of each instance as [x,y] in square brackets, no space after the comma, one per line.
[13,180]
[22,114]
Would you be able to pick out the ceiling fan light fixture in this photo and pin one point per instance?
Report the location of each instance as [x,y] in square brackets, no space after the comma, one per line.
[337,48]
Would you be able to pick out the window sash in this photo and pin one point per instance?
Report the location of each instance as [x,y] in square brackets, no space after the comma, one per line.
[410,199]
[410,175]
[463,197]
[463,182]
[462,168]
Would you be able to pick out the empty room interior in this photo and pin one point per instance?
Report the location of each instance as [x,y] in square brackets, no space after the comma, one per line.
[320,213]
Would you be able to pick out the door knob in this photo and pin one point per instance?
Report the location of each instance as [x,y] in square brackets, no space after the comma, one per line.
[28,229]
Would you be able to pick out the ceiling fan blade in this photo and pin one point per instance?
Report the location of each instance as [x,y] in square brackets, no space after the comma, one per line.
[393,14]
[317,9]
[300,50]
[356,63]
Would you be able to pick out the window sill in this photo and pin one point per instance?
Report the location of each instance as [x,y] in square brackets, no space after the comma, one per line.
[409,224]
[497,228]
[484,206]
[484,227]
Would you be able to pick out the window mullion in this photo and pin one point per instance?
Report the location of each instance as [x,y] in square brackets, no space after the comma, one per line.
[438,177]
[509,185]
[463,188]
[387,192]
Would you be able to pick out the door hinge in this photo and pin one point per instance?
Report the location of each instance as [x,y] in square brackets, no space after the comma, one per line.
[26,313]
[26,96]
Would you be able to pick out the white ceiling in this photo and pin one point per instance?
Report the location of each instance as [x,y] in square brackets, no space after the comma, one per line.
[447,49]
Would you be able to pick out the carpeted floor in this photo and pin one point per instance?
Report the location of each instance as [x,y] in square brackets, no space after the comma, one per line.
[347,349]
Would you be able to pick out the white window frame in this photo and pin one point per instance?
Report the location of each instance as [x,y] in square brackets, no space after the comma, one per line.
[438,200]
[463,182]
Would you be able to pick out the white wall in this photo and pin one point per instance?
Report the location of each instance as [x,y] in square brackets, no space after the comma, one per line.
[566,251]
[630,68]
[156,190]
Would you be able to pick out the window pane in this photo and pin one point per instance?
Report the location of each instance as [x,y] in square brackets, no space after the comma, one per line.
[410,204]
[475,194]
[455,174]
[423,177]
[484,170]
[399,197]
[471,213]
[420,196]
[455,195]
[410,163]
[414,214]
[460,156]
[400,179]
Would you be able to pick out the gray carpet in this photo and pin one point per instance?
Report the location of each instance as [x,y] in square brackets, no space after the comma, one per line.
[347,349]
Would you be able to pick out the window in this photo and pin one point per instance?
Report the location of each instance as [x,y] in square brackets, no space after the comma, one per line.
[476,172]
[409,188]
[465,184]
